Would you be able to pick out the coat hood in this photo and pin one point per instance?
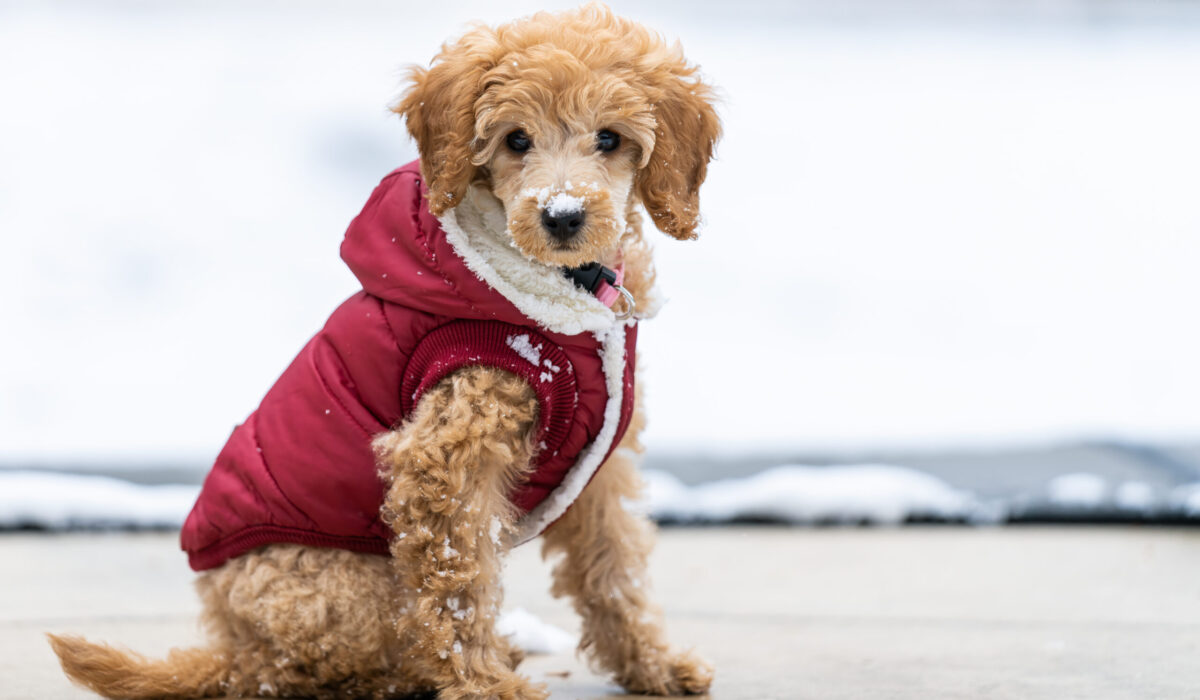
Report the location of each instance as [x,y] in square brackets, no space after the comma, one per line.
[461,265]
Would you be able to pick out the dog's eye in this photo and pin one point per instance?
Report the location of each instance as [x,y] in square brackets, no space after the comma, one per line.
[607,140]
[518,141]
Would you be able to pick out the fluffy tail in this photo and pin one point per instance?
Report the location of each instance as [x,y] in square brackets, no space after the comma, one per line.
[114,673]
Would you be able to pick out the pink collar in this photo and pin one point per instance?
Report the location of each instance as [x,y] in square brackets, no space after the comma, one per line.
[604,283]
[609,293]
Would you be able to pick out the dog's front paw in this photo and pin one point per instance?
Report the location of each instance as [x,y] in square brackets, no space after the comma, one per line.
[674,674]
[513,688]
[691,674]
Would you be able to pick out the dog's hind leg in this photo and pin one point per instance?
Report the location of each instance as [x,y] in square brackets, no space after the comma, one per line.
[307,622]
[283,621]
[450,469]
[603,569]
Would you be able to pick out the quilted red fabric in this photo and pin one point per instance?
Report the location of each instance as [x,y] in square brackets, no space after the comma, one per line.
[300,468]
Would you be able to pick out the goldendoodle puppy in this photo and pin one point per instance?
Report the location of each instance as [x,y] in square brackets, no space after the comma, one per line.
[351,533]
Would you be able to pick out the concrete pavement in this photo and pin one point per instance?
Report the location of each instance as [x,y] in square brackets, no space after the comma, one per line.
[919,613]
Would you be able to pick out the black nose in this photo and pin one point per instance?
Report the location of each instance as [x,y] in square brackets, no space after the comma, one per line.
[562,226]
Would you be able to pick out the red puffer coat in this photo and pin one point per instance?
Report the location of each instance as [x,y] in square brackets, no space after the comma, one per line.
[300,469]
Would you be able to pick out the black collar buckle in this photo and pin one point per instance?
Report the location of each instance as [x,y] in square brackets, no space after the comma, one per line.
[590,276]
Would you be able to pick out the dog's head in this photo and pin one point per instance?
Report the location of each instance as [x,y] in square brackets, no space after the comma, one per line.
[570,119]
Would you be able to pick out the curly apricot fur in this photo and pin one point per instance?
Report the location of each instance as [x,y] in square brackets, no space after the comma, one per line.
[586,70]
[603,550]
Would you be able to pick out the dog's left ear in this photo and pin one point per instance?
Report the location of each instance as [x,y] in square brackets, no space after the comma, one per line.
[686,132]
[439,110]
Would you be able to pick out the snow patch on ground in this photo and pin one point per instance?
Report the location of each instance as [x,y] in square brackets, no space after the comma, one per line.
[871,493]
[531,634]
[73,501]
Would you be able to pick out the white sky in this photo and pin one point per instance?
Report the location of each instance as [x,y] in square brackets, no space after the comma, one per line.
[918,233]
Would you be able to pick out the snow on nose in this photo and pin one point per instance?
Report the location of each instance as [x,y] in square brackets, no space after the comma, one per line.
[563,204]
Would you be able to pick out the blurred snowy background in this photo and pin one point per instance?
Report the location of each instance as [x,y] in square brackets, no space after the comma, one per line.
[961,237]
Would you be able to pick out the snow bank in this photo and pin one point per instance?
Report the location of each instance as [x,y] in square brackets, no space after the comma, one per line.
[1078,490]
[74,501]
[878,494]
[1186,500]
[844,494]
[1135,496]
[531,634]
[1083,493]
[873,494]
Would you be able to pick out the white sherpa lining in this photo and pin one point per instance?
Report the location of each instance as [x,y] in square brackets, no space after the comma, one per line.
[612,360]
[476,229]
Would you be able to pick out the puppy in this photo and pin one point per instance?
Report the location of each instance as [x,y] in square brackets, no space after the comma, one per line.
[350,536]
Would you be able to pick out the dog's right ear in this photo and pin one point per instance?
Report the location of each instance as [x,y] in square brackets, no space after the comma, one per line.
[439,109]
